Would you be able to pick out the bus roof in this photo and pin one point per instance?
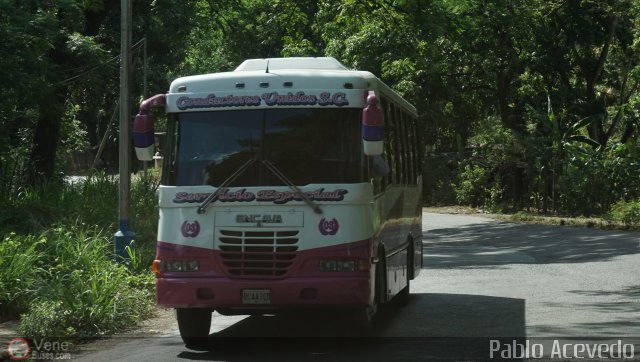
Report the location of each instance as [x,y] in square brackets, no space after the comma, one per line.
[325,63]
[283,75]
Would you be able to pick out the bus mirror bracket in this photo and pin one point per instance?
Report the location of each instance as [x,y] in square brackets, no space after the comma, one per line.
[143,127]
[372,127]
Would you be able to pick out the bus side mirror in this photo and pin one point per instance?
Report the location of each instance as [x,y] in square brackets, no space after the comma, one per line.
[143,132]
[372,127]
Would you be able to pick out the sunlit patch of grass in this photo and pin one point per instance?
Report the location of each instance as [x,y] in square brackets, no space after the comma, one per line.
[578,221]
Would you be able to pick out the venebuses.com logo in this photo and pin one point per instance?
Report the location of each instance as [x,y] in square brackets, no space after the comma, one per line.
[19,349]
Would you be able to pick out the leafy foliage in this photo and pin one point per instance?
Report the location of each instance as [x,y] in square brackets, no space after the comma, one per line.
[56,259]
[79,291]
[19,277]
[563,77]
[625,212]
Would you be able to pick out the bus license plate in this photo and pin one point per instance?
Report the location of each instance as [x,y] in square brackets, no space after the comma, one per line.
[256,296]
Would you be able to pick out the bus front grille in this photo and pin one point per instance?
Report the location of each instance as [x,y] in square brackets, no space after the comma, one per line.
[257,253]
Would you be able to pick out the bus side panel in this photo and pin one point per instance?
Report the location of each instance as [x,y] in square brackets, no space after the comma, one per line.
[414,211]
[396,208]
[400,210]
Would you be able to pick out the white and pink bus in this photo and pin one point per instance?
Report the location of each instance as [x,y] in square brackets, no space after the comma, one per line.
[288,183]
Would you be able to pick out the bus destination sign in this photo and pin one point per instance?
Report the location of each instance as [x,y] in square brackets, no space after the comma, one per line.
[272,99]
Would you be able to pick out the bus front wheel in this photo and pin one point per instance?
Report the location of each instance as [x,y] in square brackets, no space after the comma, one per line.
[194,325]
[366,317]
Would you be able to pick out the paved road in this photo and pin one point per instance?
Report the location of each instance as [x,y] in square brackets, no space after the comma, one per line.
[483,279]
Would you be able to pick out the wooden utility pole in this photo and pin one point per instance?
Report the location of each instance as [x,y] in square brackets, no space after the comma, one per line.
[124,236]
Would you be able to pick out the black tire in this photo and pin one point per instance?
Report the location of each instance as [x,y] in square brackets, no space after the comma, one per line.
[411,267]
[365,318]
[194,325]
[403,296]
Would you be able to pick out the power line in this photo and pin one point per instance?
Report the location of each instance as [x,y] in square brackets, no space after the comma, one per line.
[134,49]
[95,67]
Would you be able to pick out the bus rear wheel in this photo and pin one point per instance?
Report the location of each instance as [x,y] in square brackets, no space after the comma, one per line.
[194,325]
[403,296]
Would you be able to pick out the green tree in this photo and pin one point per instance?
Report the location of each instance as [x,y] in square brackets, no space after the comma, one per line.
[62,77]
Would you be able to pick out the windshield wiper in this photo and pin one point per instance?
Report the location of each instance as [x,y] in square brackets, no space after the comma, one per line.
[203,207]
[271,167]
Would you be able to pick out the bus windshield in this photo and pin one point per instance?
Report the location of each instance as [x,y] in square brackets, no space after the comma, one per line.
[307,145]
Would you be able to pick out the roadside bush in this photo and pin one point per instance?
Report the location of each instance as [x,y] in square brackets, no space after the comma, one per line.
[80,291]
[144,209]
[471,189]
[47,318]
[91,201]
[94,201]
[440,171]
[627,213]
[594,179]
[585,187]
[487,178]
[19,258]
[29,210]
[56,258]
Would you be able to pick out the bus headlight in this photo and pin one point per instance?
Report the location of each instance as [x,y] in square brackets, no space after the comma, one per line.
[181,266]
[328,265]
[337,265]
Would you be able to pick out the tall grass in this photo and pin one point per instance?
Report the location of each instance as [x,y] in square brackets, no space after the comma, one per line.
[56,259]
[92,201]
[19,258]
[79,291]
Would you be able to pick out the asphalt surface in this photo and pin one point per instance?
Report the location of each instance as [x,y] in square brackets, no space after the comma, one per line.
[486,285]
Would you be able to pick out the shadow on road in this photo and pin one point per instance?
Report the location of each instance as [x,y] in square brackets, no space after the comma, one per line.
[500,243]
[430,326]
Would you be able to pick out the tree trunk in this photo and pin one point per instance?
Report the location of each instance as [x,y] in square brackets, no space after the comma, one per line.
[46,135]
[502,85]
[596,131]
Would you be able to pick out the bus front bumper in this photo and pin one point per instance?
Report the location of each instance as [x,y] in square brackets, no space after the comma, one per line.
[289,293]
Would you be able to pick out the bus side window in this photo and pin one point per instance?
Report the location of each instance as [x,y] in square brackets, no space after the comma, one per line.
[408,142]
[410,147]
[384,181]
[403,151]
[415,159]
[390,143]
[407,148]
[399,146]
[419,147]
